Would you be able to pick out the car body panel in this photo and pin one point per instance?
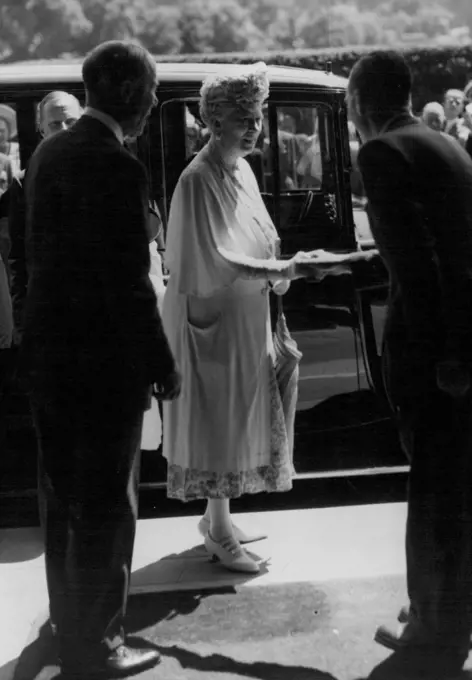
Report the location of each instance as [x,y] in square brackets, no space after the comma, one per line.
[337,323]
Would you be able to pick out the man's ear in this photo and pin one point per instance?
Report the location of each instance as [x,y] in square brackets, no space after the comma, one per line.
[357,107]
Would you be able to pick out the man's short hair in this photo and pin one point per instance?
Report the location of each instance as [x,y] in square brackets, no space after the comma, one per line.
[383,82]
[455,94]
[112,64]
[54,97]
[433,108]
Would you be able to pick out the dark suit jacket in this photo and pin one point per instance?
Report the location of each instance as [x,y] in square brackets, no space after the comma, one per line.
[419,186]
[6,169]
[91,323]
[468,144]
[16,259]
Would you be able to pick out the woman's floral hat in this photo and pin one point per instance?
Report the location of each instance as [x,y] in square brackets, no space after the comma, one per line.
[241,91]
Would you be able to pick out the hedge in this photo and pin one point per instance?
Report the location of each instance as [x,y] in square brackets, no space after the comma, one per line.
[435,69]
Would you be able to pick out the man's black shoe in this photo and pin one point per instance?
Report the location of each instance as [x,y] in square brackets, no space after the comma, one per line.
[121,662]
[126,660]
[411,639]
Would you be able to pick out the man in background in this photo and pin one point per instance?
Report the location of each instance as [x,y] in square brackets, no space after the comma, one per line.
[454,103]
[57,111]
[433,116]
[419,188]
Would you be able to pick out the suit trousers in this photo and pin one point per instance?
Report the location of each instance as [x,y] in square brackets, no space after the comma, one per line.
[437,437]
[88,493]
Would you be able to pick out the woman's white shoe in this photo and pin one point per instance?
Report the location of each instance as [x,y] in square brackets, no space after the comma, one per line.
[239,534]
[229,552]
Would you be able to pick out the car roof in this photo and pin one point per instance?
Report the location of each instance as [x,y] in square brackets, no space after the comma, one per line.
[39,73]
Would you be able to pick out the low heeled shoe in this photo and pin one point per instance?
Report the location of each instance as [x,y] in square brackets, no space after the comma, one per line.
[240,535]
[230,554]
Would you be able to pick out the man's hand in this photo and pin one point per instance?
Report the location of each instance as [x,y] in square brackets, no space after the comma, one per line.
[318,264]
[453,378]
[169,388]
[305,266]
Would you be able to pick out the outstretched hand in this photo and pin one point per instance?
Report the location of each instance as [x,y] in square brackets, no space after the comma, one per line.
[327,257]
[318,264]
[303,266]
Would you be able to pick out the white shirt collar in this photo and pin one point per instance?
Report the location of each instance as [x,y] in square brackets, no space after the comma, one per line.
[107,120]
[450,124]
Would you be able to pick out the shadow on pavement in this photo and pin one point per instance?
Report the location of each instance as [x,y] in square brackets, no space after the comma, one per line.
[39,655]
[260,670]
[407,666]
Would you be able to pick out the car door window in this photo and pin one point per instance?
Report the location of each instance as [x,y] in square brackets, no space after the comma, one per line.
[300,152]
[307,205]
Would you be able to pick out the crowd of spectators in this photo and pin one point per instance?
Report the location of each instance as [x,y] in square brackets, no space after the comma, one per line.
[452,116]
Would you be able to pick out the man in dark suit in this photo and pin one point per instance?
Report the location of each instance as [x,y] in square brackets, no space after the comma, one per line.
[57,111]
[419,188]
[92,346]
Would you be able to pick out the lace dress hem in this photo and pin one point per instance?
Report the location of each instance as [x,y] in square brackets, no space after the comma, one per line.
[188,484]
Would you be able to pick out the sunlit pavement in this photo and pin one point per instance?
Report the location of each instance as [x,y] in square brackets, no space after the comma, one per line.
[334,548]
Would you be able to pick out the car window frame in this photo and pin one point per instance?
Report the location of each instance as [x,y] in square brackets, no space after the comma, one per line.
[279,97]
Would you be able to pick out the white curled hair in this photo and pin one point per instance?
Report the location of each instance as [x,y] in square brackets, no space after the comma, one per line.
[433,108]
[232,92]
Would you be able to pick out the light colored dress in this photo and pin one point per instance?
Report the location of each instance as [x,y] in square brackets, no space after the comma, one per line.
[225,435]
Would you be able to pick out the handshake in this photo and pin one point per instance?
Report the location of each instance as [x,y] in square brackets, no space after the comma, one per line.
[318,264]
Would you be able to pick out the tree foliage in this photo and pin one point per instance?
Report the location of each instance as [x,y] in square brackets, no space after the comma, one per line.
[342,24]
[32,29]
[434,69]
[41,28]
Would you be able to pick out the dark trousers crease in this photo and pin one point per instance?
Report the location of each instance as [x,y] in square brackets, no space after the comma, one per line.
[436,433]
[88,474]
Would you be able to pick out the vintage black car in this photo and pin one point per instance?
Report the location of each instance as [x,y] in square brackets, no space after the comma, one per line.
[303,165]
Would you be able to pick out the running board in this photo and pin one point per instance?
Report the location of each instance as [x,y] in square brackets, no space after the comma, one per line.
[329,474]
[303,476]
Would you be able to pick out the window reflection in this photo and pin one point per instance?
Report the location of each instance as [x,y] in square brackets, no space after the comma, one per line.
[300,149]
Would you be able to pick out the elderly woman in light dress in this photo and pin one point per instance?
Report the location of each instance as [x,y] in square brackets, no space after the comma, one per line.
[225,435]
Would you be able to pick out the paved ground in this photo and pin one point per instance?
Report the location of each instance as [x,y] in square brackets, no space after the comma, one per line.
[353,555]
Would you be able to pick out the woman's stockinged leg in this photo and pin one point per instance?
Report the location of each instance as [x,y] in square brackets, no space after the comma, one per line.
[240,535]
[220,518]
